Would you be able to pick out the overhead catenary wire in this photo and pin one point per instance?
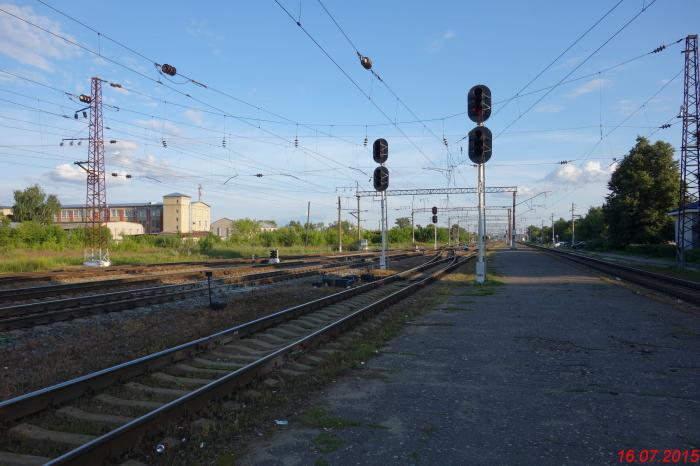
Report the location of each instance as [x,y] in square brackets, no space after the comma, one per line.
[583,62]
[357,86]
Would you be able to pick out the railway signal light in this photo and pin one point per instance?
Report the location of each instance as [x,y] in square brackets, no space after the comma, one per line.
[480,141]
[434,210]
[381,178]
[380,150]
[479,103]
[434,218]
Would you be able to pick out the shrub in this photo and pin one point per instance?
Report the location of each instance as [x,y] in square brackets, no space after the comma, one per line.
[653,250]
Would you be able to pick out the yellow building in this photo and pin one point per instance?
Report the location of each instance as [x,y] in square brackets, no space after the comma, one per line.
[181,215]
[201,216]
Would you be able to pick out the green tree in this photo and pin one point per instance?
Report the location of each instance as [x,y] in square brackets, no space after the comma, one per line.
[403,222]
[643,189]
[33,204]
[592,226]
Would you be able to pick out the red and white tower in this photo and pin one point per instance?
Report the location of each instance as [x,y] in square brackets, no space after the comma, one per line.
[96,252]
[687,233]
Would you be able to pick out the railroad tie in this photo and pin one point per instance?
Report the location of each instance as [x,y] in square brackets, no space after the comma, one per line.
[230,365]
[184,369]
[155,390]
[76,413]
[15,459]
[180,380]
[271,339]
[32,432]
[116,401]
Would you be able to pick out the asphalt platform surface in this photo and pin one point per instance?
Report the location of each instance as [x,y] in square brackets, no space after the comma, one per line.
[556,367]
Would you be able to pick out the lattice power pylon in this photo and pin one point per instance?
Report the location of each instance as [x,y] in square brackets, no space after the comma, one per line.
[96,252]
[688,224]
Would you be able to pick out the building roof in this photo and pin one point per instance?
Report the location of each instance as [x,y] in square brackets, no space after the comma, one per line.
[116,205]
[177,195]
[267,225]
[200,202]
[224,219]
[692,207]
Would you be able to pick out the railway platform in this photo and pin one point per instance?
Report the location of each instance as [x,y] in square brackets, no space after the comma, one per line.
[555,366]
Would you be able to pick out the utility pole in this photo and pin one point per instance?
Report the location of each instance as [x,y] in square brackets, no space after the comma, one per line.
[552,229]
[687,227]
[340,229]
[96,252]
[508,235]
[413,225]
[573,227]
[449,231]
[308,219]
[512,237]
[359,231]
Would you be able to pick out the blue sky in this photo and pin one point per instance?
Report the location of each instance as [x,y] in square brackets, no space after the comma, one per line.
[276,86]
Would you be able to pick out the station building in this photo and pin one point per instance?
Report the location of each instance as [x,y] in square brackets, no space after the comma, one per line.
[692,238]
[177,214]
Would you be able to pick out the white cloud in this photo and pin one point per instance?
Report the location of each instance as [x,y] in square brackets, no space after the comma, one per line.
[627,106]
[592,172]
[442,39]
[168,128]
[67,173]
[593,85]
[548,108]
[195,116]
[27,44]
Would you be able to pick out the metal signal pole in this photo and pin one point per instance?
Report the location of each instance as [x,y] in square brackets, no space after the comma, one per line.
[382,259]
[359,228]
[480,264]
[512,237]
[573,227]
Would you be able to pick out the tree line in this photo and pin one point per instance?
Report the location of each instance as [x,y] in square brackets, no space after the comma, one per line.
[642,191]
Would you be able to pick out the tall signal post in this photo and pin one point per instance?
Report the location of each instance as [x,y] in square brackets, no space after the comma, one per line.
[96,250]
[480,143]
[380,178]
[687,231]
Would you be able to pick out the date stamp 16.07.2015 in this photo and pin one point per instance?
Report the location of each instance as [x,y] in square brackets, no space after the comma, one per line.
[659,456]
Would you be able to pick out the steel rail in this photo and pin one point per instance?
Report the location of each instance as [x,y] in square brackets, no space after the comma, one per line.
[41,399]
[122,438]
[684,289]
[46,312]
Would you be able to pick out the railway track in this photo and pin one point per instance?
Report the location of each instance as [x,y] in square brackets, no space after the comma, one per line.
[683,289]
[100,416]
[12,280]
[31,314]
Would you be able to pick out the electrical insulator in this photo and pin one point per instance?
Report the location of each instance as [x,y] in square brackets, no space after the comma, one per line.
[444,141]
[165,144]
[115,174]
[296,142]
[480,141]
[380,179]
[365,142]
[86,99]
[223,143]
[380,150]
[128,176]
[259,175]
[168,69]
[113,141]
[366,62]
[84,114]
[479,103]
[434,210]
[71,143]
